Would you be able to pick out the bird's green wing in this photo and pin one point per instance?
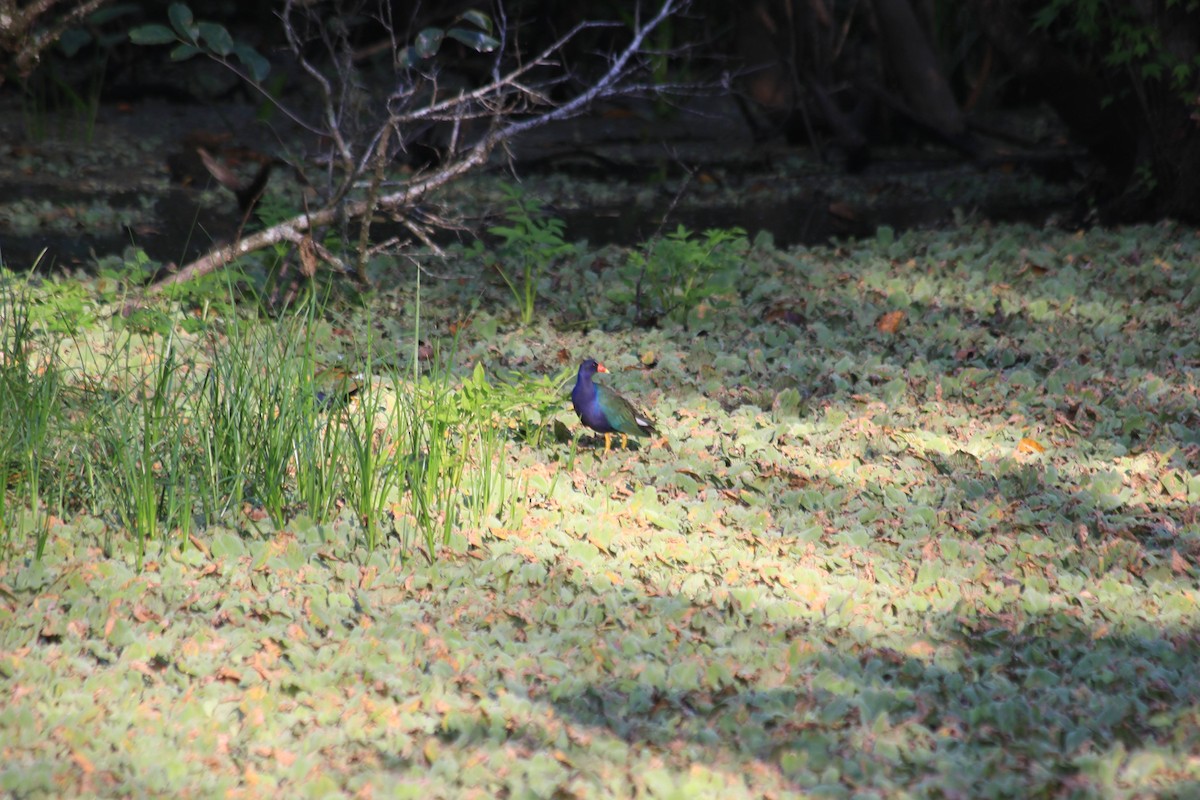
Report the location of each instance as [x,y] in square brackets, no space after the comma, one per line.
[622,415]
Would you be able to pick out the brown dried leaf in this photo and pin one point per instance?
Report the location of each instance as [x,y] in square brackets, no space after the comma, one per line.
[308,257]
[889,322]
[596,543]
[83,762]
[229,674]
[112,618]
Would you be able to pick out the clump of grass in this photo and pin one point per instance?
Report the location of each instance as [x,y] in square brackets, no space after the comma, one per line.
[371,461]
[258,415]
[30,403]
[439,451]
[170,433]
[143,447]
[447,465]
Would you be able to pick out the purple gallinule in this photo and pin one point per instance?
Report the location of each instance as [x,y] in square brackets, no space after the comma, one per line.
[605,411]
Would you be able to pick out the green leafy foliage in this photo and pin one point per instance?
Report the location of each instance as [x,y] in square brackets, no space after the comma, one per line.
[428,42]
[61,306]
[192,38]
[1125,39]
[151,35]
[101,29]
[673,275]
[518,402]
[531,243]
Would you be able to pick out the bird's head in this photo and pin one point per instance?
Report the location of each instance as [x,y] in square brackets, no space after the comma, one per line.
[591,366]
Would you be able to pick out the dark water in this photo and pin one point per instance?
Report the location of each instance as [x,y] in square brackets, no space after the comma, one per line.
[181,233]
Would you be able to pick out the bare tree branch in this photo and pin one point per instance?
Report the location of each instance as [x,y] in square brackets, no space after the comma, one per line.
[504,97]
[24,34]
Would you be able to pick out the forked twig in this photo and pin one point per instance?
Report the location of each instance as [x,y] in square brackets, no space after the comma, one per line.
[500,99]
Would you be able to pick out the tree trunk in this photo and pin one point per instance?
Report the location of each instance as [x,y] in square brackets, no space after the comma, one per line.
[914,66]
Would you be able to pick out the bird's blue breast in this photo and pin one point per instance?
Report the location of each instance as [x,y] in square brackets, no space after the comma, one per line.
[590,409]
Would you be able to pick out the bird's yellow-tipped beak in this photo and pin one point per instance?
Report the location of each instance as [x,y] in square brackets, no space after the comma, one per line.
[601,368]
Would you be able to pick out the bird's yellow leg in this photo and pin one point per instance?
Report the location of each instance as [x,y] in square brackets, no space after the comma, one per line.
[607,443]
[624,442]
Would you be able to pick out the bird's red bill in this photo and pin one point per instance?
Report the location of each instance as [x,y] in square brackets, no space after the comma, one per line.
[601,368]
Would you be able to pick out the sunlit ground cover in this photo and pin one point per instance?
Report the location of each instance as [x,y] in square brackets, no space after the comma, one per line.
[926,523]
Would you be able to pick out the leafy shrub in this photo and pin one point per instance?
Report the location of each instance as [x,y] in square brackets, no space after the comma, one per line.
[672,275]
[1126,40]
[532,242]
